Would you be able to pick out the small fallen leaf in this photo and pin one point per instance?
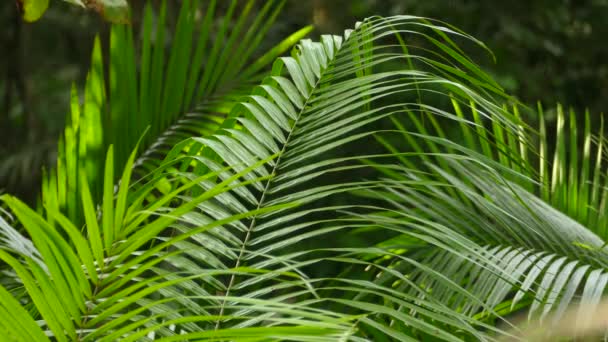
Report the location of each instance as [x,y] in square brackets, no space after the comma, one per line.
[32,10]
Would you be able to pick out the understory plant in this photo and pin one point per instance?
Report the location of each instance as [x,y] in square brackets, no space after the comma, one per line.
[373,186]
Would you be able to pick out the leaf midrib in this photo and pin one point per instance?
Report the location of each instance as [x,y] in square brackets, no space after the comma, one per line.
[268,183]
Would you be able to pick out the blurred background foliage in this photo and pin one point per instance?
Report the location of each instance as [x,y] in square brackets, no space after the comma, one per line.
[548,51]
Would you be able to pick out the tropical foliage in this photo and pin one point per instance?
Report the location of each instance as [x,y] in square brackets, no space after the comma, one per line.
[323,200]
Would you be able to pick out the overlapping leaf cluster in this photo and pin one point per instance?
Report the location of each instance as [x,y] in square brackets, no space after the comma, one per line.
[328,205]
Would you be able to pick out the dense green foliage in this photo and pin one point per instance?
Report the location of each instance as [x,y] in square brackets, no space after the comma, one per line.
[373,186]
[551,51]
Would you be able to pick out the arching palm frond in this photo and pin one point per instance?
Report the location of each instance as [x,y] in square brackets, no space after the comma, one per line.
[272,228]
[173,92]
[231,256]
[480,223]
[566,165]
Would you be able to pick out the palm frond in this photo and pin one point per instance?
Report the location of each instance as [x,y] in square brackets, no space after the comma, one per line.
[226,253]
[501,243]
[483,225]
[567,176]
[270,226]
[163,93]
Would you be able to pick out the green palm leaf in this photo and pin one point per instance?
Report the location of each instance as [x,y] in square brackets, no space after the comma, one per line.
[288,222]
[492,234]
[155,89]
